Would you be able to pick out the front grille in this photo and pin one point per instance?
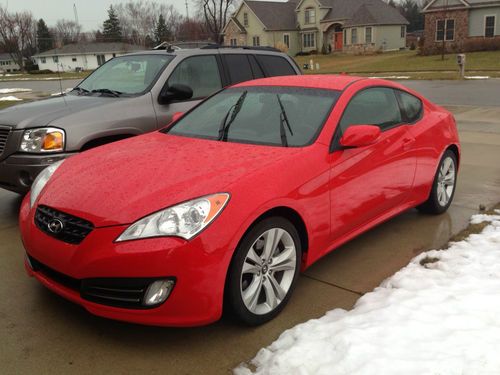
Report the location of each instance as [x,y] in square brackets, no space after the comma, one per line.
[117,292]
[74,230]
[4,135]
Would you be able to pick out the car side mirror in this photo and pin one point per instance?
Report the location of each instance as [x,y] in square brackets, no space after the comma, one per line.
[176,91]
[360,135]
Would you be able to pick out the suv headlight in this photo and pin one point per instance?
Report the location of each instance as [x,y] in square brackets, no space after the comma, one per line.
[42,140]
[184,220]
[41,180]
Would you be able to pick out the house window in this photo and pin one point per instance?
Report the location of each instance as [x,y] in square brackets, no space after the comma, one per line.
[245,19]
[345,37]
[445,30]
[403,31]
[489,26]
[256,41]
[309,40]
[43,60]
[310,16]
[55,59]
[368,35]
[354,36]
[100,60]
[73,59]
[286,40]
[233,42]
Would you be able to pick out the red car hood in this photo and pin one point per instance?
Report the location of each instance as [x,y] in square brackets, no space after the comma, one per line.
[124,181]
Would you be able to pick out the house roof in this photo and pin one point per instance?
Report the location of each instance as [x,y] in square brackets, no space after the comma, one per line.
[90,48]
[275,15]
[239,25]
[434,5]
[362,12]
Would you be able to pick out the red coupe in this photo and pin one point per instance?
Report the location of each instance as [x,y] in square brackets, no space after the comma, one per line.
[226,205]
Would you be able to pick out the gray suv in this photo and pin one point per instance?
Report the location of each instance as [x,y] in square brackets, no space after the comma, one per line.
[127,96]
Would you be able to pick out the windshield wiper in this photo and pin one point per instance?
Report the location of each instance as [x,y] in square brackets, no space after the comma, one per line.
[80,90]
[283,120]
[108,91]
[223,127]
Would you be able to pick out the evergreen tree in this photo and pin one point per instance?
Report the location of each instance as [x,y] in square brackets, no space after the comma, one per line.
[43,36]
[112,31]
[161,32]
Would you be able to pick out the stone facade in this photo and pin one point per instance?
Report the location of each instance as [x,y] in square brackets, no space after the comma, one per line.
[234,32]
[461,17]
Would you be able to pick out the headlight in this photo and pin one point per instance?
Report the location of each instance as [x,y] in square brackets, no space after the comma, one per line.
[184,220]
[41,180]
[42,140]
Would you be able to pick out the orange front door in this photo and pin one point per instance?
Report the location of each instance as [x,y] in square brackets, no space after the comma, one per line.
[339,36]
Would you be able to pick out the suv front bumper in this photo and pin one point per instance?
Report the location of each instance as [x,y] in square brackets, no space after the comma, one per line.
[18,171]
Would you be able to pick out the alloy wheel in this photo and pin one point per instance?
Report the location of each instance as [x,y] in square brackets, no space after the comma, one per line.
[268,271]
[446,181]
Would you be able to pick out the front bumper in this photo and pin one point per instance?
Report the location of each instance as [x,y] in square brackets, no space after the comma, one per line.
[18,171]
[198,267]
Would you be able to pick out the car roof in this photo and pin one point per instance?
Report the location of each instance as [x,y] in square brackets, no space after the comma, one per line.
[319,81]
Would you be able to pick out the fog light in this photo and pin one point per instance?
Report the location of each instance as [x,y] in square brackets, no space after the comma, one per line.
[158,292]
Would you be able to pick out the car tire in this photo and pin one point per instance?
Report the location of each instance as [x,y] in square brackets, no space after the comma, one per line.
[443,186]
[264,271]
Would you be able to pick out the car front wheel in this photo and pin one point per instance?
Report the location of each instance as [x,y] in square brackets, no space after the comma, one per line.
[264,271]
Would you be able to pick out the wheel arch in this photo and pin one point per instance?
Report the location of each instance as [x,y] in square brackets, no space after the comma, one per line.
[100,141]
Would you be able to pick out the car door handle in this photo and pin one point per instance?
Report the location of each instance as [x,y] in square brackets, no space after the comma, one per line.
[407,142]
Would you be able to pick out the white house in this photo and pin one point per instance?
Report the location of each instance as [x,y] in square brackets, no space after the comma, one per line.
[7,65]
[81,56]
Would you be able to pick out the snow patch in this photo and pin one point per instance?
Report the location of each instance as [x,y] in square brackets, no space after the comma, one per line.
[477,77]
[391,77]
[9,99]
[9,91]
[438,315]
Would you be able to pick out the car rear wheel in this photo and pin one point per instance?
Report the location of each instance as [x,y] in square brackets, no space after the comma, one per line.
[443,187]
[264,271]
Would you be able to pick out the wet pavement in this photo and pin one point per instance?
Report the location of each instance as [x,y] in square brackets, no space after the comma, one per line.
[43,334]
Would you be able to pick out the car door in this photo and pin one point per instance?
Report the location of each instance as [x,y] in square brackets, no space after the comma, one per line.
[370,181]
[201,73]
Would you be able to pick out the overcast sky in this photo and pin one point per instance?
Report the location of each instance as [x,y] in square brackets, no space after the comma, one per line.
[91,13]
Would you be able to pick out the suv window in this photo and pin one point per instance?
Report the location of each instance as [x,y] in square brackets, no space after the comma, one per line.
[373,106]
[201,73]
[256,69]
[276,65]
[239,68]
[411,105]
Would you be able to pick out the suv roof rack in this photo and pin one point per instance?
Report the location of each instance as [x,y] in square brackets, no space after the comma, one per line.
[256,48]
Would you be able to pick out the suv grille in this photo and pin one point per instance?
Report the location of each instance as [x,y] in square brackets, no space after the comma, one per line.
[68,228]
[117,292]
[4,134]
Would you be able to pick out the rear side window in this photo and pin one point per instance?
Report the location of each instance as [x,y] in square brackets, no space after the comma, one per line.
[201,73]
[411,105]
[239,68]
[374,106]
[275,65]
[256,69]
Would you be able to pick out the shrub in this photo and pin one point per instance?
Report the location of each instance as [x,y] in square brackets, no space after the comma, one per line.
[43,71]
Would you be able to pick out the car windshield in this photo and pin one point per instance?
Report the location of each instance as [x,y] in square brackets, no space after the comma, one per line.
[130,75]
[281,116]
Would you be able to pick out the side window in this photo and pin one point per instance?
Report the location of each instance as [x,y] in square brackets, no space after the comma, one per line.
[256,69]
[275,65]
[374,106]
[239,68]
[201,73]
[412,106]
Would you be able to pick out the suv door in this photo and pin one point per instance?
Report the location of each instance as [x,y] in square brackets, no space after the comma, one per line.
[368,182]
[202,73]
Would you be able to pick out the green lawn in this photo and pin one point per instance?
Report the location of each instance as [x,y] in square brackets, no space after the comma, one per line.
[5,104]
[424,67]
[28,76]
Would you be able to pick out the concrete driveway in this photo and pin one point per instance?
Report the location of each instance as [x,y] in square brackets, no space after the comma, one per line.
[44,334]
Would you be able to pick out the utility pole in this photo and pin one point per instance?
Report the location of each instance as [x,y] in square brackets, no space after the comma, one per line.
[187,10]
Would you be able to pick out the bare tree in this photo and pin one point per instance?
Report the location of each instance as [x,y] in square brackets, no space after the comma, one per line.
[17,35]
[67,32]
[216,14]
[139,18]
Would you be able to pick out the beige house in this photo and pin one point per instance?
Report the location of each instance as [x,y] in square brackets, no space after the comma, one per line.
[318,25]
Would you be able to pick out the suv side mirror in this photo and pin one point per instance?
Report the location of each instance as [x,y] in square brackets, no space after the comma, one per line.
[176,91]
[360,135]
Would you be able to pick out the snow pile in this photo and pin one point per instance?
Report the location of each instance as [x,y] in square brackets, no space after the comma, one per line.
[9,99]
[390,77]
[9,91]
[477,77]
[438,315]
